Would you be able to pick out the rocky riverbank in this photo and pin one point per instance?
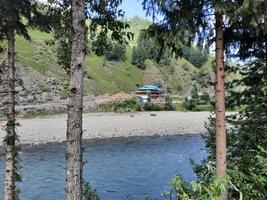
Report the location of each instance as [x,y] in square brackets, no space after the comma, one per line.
[108,125]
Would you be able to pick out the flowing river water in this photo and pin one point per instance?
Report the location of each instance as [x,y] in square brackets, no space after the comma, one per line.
[117,168]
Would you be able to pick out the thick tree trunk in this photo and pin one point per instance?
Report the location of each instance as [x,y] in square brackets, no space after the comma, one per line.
[75,107]
[10,140]
[220,103]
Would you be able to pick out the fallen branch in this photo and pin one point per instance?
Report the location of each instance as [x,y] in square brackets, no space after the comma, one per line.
[240,193]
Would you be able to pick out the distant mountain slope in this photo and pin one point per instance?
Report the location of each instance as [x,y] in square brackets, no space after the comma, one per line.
[38,66]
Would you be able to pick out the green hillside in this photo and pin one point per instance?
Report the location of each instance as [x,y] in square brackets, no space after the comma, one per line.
[105,76]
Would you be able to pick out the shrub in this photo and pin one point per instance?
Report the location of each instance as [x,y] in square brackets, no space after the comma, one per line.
[205,97]
[63,50]
[190,103]
[89,193]
[128,103]
[185,66]
[157,107]
[197,190]
[138,107]
[118,106]
[168,103]
[150,106]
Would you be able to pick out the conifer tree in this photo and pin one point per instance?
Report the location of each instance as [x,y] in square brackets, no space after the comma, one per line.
[183,21]
[238,25]
[69,27]
[15,17]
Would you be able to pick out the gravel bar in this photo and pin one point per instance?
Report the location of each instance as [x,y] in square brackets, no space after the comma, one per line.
[109,125]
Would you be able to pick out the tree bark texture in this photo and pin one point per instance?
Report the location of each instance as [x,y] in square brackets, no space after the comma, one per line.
[10,139]
[265,28]
[220,102]
[75,107]
[265,18]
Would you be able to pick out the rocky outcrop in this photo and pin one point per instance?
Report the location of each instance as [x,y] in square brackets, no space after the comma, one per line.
[37,93]
[36,89]
[32,88]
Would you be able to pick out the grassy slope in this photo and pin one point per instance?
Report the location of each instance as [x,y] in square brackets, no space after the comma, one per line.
[36,55]
[111,77]
[102,76]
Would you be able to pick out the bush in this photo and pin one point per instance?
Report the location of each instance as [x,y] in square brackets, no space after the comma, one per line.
[128,103]
[138,107]
[190,103]
[197,190]
[63,50]
[89,193]
[150,106]
[186,66]
[206,97]
[168,103]
[118,106]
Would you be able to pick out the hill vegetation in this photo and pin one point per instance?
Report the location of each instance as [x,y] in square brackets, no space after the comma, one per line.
[105,75]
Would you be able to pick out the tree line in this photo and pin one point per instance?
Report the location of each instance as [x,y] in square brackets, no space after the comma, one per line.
[238,29]
[148,48]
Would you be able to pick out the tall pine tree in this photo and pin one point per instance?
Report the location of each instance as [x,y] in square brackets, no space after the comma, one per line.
[69,28]
[239,25]
[15,17]
[183,22]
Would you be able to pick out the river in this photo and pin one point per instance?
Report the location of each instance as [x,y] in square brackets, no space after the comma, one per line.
[117,168]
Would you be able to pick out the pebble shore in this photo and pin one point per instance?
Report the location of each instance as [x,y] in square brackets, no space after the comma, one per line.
[110,125]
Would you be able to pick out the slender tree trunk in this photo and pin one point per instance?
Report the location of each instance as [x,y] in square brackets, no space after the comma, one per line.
[75,107]
[10,140]
[265,18]
[220,103]
[265,28]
